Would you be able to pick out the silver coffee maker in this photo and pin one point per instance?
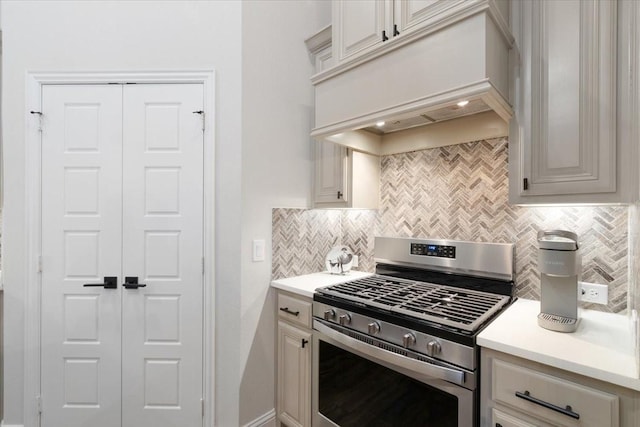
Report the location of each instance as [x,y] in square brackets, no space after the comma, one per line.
[560,265]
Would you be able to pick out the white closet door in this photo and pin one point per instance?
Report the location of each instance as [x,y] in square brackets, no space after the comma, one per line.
[162,248]
[122,196]
[81,241]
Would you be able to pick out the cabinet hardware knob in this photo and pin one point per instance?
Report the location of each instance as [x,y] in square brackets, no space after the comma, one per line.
[339,194]
[395,30]
[384,36]
[304,342]
[286,310]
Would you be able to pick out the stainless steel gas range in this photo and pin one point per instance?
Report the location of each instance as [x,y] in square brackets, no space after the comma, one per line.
[398,348]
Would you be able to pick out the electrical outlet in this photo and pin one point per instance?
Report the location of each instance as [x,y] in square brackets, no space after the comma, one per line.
[354,261]
[594,293]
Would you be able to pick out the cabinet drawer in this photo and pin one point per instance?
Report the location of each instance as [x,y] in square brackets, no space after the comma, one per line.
[500,419]
[558,401]
[294,310]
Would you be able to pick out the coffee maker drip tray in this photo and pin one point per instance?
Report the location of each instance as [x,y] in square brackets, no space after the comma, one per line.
[557,323]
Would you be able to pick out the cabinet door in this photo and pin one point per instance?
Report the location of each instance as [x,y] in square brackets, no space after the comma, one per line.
[331,174]
[553,399]
[409,15]
[500,419]
[294,375]
[358,26]
[566,118]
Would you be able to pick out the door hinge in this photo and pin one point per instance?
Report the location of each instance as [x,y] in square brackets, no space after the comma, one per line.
[39,404]
[201,112]
[202,406]
[39,264]
[39,115]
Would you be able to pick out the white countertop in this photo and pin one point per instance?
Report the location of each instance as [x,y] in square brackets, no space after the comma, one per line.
[305,285]
[602,347]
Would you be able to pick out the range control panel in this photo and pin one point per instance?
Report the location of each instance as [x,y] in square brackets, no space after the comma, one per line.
[433,250]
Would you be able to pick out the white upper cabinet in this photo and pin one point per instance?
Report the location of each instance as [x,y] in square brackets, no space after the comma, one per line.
[564,140]
[409,14]
[410,63]
[345,178]
[364,25]
[360,26]
[319,46]
[331,170]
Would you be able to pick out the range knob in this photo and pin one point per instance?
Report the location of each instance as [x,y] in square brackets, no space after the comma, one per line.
[345,319]
[329,314]
[433,348]
[408,339]
[373,328]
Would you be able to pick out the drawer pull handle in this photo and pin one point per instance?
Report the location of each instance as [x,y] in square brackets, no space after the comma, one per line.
[286,310]
[565,411]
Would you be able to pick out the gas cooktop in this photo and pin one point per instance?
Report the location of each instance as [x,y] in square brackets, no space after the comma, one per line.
[460,308]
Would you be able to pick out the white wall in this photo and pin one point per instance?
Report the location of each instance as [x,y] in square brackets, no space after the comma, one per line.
[133,35]
[277,116]
[263,152]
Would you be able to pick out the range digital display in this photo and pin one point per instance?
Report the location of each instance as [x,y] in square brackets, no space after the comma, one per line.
[441,251]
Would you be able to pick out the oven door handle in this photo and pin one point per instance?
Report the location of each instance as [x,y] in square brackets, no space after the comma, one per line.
[435,371]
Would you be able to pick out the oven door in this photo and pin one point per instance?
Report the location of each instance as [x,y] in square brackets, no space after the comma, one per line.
[359,384]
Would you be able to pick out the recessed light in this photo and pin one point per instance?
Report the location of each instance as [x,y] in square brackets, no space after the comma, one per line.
[380,123]
[462,103]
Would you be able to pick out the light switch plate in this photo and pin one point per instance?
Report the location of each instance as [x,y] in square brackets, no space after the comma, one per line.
[258,250]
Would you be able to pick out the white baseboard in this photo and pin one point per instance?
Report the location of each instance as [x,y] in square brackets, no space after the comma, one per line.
[266,420]
[2,424]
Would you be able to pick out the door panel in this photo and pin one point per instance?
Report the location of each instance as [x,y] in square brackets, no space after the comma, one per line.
[122,195]
[81,224]
[359,25]
[162,246]
[410,14]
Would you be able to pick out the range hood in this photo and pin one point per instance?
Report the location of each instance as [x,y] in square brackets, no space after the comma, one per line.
[417,83]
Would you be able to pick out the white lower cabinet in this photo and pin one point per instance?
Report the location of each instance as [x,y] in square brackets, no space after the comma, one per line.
[519,393]
[294,361]
[500,419]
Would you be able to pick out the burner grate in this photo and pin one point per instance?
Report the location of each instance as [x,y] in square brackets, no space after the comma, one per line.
[460,308]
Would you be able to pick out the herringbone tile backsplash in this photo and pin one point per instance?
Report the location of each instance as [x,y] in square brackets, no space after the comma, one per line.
[456,192]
